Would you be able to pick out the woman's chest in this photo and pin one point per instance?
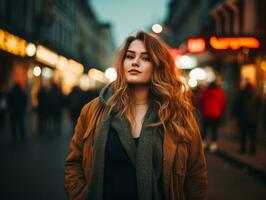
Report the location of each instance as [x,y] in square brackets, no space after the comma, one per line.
[138,121]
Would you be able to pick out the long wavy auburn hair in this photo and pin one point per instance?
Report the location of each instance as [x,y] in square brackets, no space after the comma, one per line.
[166,91]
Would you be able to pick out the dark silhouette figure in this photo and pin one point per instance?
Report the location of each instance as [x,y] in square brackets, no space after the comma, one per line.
[77,99]
[3,109]
[245,109]
[17,103]
[42,109]
[75,103]
[56,99]
[263,110]
[212,105]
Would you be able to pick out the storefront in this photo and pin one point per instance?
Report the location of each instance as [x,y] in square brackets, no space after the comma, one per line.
[33,65]
[234,59]
[13,61]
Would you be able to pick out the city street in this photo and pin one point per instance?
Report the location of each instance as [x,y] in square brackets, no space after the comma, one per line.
[34,169]
[167,63]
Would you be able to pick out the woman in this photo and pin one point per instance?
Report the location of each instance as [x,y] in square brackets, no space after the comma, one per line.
[139,139]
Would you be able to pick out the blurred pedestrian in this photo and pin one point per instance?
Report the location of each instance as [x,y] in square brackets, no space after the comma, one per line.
[263,118]
[245,109]
[196,102]
[139,139]
[212,106]
[3,109]
[75,101]
[17,103]
[42,109]
[56,99]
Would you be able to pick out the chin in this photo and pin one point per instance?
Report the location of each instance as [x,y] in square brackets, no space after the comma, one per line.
[137,82]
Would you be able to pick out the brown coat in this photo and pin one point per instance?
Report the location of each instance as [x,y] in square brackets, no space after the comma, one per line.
[184,166]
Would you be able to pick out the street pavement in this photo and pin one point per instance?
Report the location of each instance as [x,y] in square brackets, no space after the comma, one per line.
[227,182]
[34,169]
[228,149]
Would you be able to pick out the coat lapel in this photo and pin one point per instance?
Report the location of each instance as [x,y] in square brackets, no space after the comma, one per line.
[144,164]
[100,138]
[124,134]
[144,167]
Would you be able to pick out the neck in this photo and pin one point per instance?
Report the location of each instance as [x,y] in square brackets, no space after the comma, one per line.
[140,94]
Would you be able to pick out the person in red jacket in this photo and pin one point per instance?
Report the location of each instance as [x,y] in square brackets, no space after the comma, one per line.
[212,104]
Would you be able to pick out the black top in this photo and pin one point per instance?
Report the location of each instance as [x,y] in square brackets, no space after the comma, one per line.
[136,141]
[119,174]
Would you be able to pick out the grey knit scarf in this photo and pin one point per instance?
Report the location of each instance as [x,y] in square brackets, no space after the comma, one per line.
[147,157]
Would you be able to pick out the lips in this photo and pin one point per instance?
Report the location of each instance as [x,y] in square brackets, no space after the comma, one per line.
[134,71]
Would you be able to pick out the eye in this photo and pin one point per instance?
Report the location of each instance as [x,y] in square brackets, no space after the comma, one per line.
[129,56]
[146,59]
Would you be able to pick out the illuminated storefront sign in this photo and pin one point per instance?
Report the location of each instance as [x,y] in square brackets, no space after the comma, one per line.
[199,45]
[12,44]
[62,63]
[46,56]
[196,45]
[52,59]
[97,75]
[75,67]
[234,43]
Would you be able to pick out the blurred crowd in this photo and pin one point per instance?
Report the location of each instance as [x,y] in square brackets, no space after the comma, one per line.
[52,103]
[244,111]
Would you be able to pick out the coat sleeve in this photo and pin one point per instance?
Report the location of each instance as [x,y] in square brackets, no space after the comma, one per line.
[195,185]
[75,183]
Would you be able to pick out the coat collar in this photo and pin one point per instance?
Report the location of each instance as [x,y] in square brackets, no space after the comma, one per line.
[122,128]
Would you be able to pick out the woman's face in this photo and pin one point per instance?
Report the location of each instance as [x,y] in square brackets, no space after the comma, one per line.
[138,68]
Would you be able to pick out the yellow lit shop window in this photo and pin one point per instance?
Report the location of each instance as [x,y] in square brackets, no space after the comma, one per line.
[46,56]
[248,73]
[263,65]
[12,43]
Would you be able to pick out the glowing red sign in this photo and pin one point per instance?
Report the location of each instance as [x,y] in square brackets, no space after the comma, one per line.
[234,43]
[196,45]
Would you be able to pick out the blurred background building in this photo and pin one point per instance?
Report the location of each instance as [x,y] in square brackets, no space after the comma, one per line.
[224,38]
[94,42]
[59,41]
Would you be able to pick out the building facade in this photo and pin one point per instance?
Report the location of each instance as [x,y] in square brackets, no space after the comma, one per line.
[94,43]
[64,37]
[232,36]
[234,19]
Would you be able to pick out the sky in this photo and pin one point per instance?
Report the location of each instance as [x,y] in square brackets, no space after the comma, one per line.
[129,16]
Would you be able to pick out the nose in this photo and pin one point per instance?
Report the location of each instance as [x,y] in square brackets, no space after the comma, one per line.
[135,62]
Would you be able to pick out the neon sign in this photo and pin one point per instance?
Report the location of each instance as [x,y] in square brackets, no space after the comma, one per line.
[234,43]
[196,45]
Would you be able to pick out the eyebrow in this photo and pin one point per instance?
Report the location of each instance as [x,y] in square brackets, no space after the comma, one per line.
[130,51]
